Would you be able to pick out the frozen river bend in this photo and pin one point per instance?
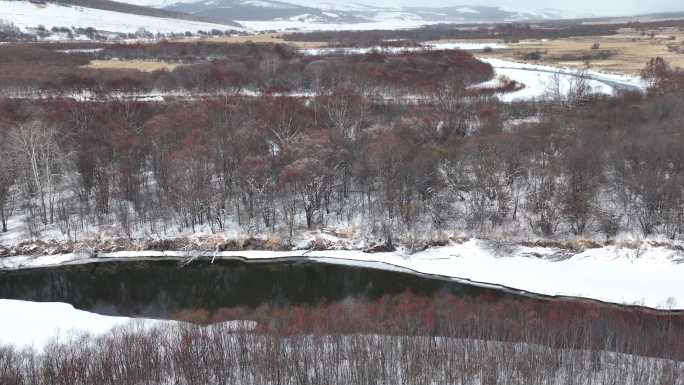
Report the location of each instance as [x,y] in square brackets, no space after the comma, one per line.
[537,79]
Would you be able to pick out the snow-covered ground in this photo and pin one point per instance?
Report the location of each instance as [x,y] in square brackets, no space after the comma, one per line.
[436,46]
[296,25]
[26,324]
[35,324]
[464,45]
[647,276]
[27,15]
[81,50]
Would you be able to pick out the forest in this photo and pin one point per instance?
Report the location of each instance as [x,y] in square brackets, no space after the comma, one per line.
[403,148]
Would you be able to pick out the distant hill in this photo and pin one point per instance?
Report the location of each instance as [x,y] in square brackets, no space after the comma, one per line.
[41,17]
[343,13]
[133,9]
[486,14]
[261,10]
[366,14]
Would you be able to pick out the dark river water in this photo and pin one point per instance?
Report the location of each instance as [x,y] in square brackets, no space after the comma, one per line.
[160,289]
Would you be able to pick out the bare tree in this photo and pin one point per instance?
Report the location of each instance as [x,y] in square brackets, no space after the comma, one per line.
[454,109]
[582,169]
[569,90]
[346,111]
[8,176]
[38,154]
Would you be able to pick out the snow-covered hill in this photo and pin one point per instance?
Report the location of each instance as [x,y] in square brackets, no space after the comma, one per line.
[265,10]
[27,15]
[364,14]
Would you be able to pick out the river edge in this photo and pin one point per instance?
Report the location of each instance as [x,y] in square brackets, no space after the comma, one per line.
[647,277]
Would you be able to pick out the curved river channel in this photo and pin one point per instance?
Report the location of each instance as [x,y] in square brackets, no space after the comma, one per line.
[160,289]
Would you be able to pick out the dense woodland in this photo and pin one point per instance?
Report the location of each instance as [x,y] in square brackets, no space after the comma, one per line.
[28,70]
[403,339]
[350,152]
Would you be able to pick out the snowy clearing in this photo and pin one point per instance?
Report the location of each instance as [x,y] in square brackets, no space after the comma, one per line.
[35,324]
[27,15]
[25,324]
[436,46]
[464,45]
[647,276]
[297,25]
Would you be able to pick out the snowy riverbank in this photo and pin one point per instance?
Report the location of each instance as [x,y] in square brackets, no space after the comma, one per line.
[26,324]
[34,324]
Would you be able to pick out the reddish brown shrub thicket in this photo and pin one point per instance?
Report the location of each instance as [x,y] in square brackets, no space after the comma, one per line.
[398,340]
[223,67]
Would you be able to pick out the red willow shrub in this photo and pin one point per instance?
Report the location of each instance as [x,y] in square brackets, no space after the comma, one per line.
[558,323]
[403,339]
[213,67]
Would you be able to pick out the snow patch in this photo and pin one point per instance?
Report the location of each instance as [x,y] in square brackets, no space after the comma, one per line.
[33,324]
[26,324]
[435,46]
[467,10]
[295,25]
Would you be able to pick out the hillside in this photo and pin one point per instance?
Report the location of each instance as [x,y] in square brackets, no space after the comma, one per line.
[227,10]
[315,15]
[115,6]
[102,15]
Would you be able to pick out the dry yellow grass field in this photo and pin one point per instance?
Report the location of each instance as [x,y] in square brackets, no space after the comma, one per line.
[140,65]
[150,66]
[262,38]
[630,49]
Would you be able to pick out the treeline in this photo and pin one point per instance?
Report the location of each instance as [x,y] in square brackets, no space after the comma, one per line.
[398,340]
[505,32]
[26,67]
[191,52]
[10,32]
[232,67]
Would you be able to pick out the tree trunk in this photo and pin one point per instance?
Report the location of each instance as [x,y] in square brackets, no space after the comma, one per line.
[3,219]
[309,217]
